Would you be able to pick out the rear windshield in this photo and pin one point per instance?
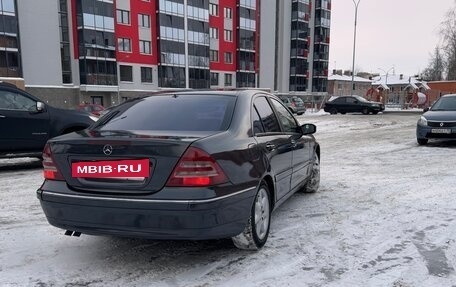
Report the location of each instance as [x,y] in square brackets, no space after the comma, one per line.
[172,113]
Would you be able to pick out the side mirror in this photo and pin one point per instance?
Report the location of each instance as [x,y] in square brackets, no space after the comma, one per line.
[40,106]
[355,102]
[425,110]
[308,129]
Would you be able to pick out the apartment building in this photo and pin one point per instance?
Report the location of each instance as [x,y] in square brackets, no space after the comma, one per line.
[294,45]
[106,51]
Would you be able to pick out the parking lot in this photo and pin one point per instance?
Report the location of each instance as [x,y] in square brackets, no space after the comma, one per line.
[384,216]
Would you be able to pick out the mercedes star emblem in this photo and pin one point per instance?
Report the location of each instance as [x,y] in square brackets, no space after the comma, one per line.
[441,124]
[107,149]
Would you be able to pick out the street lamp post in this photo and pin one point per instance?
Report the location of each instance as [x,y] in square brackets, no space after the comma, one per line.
[354,45]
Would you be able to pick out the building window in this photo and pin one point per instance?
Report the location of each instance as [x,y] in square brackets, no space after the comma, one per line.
[126,73]
[228,13]
[144,47]
[228,35]
[64,44]
[228,58]
[124,44]
[144,21]
[213,33]
[228,80]
[214,79]
[123,17]
[146,75]
[213,9]
[213,55]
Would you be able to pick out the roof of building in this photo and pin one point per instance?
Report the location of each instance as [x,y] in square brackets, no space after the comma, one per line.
[402,80]
[357,79]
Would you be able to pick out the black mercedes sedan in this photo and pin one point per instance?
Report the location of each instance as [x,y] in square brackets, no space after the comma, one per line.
[353,104]
[187,165]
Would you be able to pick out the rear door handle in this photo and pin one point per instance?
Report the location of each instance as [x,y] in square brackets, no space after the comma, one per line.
[270,146]
[2,117]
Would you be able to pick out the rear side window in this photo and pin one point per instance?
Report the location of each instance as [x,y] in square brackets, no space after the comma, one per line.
[174,113]
[267,116]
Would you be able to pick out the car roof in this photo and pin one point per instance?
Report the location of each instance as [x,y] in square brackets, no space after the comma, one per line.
[242,92]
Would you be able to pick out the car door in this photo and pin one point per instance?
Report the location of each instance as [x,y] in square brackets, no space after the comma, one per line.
[340,105]
[353,105]
[300,144]
[22,127]
[274,145]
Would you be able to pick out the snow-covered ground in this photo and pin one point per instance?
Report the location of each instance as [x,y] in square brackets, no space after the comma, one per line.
[385,216]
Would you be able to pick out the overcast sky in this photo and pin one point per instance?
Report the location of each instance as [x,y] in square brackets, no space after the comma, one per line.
[399,33]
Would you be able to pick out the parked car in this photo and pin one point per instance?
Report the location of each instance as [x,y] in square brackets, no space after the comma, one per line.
[353,104]
[187,165]
[93,109]
[26,123]
[294,104]
[439,122]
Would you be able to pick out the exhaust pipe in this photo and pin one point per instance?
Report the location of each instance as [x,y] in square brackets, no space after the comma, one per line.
[72,233]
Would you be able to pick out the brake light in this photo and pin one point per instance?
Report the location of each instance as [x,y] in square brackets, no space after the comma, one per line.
[293,104]
[50,171]
[196,168]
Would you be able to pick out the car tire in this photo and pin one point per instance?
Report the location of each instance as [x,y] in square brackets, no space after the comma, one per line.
[365,111]
[333,111]
[343,113]
[256,231]
[313,183]
[300,113]
[422,141]
[375,112]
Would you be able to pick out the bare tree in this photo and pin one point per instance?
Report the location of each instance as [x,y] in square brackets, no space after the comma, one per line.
[448,33]
[435,68]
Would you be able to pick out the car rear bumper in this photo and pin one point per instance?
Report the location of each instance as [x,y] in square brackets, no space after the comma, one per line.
[300,110]
[212,218]
[423,132]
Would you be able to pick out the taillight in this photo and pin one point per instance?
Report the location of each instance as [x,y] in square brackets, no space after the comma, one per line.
[293,104]
[196,168]
[50,171]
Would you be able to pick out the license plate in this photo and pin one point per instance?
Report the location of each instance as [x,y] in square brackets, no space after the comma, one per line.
[441,131]
[133,168]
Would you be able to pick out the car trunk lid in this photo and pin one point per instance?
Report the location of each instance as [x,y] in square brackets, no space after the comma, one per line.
[100,159]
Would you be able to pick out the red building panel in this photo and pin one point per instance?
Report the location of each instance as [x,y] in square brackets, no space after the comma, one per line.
[74,21]
[225,46]
[132,32]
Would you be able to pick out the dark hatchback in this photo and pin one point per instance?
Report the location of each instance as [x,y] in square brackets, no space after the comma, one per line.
[353,104]
[439,122]
[26,123]
[189,165]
